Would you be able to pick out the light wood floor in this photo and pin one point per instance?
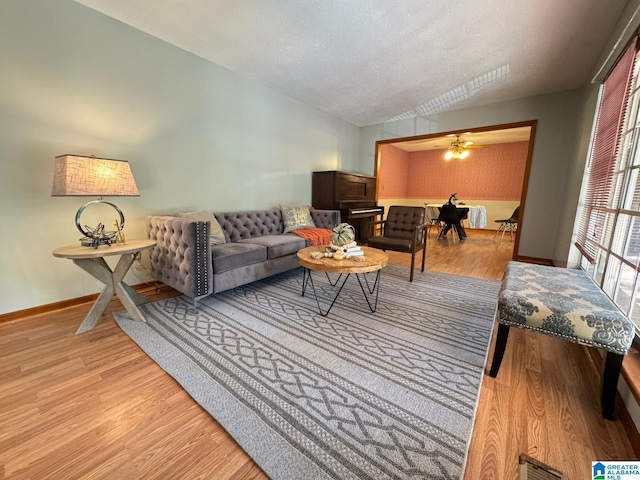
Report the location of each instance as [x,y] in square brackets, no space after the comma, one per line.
[95,406]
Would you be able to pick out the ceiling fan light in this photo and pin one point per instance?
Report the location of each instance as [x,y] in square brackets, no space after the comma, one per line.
[457,149]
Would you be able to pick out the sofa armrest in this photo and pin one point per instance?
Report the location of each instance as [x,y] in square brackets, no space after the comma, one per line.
[325,218]
[181,257]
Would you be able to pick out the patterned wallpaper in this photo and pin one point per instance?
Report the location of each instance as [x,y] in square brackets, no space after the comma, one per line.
[494,172]
[394,172]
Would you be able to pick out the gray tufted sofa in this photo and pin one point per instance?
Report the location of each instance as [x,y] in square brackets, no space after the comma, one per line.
[255,248]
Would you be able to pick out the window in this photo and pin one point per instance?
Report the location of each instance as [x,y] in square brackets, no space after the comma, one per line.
[608,234]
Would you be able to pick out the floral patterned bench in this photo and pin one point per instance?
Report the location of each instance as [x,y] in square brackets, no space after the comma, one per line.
[567,304]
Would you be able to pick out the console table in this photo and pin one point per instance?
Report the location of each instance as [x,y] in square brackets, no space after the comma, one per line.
[92,261]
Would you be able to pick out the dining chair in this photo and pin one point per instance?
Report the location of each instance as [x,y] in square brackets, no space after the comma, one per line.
[434,222]
[404,230]
[451,217]
[431,214]
[508,224]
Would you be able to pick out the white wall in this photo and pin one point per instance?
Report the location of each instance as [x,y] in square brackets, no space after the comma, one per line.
[197,136]
[571,212]
[560,119]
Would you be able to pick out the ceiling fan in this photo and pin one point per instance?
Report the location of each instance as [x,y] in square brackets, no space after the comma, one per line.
[458,149]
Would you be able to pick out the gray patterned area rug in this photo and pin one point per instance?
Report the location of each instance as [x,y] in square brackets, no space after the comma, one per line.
[356,394]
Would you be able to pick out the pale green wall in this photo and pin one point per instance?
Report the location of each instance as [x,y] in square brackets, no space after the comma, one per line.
[559,136]
[197,136]
[200,136]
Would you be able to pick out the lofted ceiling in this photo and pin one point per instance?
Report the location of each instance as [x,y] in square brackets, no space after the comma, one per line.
[372,61]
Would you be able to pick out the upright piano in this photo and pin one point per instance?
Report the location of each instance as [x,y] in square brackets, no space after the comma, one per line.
[351,193]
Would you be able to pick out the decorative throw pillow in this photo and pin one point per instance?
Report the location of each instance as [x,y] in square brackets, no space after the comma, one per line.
[296,217]
[216,236]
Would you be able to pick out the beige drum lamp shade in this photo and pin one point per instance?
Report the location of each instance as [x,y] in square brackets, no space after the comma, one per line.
[76,175]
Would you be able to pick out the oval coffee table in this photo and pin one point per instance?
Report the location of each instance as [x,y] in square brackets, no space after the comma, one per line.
[374,261]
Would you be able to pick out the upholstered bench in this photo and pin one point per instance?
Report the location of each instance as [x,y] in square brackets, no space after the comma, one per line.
[566,304]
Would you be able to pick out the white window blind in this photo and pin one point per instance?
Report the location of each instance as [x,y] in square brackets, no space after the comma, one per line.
[603,185]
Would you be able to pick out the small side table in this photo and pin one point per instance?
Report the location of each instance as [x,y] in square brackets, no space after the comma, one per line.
[92,261]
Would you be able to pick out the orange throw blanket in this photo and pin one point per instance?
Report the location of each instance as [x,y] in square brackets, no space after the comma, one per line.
[316,236]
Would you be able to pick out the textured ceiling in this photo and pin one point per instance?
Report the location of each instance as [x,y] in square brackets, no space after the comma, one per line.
[370,61]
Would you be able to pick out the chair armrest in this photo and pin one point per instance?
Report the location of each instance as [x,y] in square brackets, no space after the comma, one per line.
[416,234]
[181,257]
[372,227]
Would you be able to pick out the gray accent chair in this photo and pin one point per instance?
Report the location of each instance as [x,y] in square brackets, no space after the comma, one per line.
[404,230]
[255,248]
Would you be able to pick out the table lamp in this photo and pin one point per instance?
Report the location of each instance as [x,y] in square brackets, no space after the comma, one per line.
[76,175]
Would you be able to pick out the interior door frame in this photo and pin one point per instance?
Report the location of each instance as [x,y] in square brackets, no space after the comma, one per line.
[503,126]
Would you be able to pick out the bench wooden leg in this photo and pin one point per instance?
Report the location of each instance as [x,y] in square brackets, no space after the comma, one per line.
[498,352]
[612,367]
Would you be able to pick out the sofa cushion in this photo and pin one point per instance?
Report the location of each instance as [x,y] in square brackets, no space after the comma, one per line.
[233,255]
[217,235]
[296,217]
[241,225]
[278,245]
[396,244]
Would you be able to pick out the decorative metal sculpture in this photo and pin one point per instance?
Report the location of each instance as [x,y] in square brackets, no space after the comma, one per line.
[95,237]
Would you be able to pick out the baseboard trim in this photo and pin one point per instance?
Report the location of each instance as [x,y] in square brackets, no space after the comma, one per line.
[537,261]
[141,288]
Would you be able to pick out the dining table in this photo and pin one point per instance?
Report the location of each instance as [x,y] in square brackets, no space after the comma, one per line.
[476,214]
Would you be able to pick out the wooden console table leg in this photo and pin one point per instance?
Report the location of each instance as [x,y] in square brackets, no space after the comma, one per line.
[135,296]
[129,297]
[92,261]
[98,268]
[123,266]
[113,280]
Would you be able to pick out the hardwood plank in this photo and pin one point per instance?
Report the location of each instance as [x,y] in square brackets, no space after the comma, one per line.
[17,419]
[72,459]
[95,406]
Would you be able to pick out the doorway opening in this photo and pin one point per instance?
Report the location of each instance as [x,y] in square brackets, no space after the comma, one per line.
[492,176]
